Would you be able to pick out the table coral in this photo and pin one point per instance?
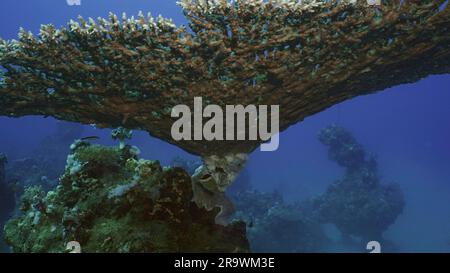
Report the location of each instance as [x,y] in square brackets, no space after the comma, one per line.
[303,55]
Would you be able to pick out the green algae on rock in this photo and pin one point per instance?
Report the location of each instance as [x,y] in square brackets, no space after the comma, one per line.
[110,201]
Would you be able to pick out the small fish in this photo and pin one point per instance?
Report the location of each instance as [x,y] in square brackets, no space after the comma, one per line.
[90,138]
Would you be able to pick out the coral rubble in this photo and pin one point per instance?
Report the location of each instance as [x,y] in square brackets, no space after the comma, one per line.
[110,201]
[358,204]
[302,55]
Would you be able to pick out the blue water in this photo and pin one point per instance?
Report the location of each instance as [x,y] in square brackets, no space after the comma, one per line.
[407,126]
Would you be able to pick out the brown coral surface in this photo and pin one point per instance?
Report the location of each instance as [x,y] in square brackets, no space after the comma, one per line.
[304,57]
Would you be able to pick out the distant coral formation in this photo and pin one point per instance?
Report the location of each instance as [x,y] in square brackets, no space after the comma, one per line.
[110,201]
[52,151]
[358,204]
[47,160]
[274,226]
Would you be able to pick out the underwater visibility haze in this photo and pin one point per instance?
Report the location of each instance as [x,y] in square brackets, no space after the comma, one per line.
[87,152]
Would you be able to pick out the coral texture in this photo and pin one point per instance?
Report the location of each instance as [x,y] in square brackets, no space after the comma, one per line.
[110,201]
[302,55]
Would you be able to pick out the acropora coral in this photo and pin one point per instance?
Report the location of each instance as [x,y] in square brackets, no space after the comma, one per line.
[304,56]
[109,200]
[358,204]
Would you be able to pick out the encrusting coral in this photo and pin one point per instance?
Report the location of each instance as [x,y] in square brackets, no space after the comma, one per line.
[110,201]
[304,56]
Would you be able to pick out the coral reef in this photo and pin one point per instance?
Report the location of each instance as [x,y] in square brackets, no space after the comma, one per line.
[358,204]
[110,201]
[302,55]
[47,161]
[29,171]
[52,151]
[273,226]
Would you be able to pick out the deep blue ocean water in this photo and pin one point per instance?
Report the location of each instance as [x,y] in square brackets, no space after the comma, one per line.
[407,126]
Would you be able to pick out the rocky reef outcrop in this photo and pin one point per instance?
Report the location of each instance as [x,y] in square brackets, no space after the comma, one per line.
[358,204]
[109,200]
